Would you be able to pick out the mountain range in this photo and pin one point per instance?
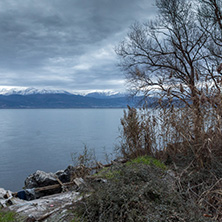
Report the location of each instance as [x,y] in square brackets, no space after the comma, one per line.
[31,98]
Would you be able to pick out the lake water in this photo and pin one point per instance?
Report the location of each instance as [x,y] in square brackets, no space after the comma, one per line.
[44,139]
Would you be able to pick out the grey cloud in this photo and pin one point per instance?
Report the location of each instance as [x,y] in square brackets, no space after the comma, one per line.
[35,33]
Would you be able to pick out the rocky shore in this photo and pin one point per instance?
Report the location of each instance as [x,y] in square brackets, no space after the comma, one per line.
[143,189]
[46,196]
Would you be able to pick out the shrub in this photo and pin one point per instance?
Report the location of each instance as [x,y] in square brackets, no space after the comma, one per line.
[138,136]
[198,161]
[137,194]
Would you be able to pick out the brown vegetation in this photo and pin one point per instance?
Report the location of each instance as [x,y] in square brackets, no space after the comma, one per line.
[197,163]
[178,57]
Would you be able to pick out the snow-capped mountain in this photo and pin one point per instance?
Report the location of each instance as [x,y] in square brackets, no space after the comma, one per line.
[24,98]
[29,91]
[105,94]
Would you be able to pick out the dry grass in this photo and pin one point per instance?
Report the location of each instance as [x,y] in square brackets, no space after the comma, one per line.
[169,135]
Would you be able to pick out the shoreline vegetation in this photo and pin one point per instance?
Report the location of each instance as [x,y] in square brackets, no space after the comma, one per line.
[174,158]
[138,188]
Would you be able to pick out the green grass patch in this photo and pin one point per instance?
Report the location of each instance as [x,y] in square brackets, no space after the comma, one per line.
[147,160]
[108,173]
[7,216]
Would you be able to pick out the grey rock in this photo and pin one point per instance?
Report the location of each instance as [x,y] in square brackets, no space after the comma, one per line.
[40,179]
[70,170]
[66,175]
[63,175]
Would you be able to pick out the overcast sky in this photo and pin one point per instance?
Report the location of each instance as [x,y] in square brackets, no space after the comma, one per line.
[65,44]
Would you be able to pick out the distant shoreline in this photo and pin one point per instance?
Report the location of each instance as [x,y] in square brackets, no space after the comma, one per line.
[66,108]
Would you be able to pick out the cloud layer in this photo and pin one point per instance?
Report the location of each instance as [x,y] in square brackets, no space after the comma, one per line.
[65,44]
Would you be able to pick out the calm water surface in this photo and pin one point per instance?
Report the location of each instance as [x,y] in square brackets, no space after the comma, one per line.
[44,139]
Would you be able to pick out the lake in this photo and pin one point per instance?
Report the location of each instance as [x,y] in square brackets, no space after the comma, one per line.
[44,139]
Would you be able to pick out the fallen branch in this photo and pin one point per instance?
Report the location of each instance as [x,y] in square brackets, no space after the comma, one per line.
[51,187]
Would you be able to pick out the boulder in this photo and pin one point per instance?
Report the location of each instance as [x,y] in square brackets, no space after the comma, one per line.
[40,179]
[67,175]
[43,179]
[63,176]
[70,170]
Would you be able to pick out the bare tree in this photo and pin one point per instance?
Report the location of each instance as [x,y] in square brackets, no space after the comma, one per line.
[169,55]
[210,18]
[210,12]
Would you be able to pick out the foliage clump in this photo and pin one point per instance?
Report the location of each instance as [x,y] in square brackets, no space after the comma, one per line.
[141,193]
